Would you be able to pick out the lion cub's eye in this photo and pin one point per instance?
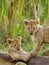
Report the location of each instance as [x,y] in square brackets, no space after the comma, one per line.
[33,27]
[15,45]
[28,27]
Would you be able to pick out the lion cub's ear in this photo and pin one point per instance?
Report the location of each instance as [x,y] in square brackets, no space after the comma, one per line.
[9,40]
[19,39]
[38,21]
[26,22]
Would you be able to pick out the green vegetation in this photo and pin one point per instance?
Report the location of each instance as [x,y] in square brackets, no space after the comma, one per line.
[12,14]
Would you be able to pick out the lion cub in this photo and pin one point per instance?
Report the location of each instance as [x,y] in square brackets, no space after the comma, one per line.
[15,50]
[39,34]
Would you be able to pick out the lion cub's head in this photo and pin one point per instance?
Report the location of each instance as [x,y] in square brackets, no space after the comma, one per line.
[14,43]
[31,25]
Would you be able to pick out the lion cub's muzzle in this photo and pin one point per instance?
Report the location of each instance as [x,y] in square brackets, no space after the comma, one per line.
[31,33]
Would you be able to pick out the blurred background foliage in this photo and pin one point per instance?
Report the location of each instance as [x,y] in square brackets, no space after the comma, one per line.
[12,14]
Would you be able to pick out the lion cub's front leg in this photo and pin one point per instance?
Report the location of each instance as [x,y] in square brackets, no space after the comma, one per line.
[38,43]
[37,49]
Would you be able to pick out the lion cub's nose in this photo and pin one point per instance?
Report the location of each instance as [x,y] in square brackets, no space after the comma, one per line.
[18,49]
[31,33]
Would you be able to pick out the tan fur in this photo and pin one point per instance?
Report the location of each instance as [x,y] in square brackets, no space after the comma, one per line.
[15,50]
[4,62]
[39,34]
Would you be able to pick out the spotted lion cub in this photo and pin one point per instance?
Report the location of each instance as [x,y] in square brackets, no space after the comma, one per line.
[39,34]
[15,50]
